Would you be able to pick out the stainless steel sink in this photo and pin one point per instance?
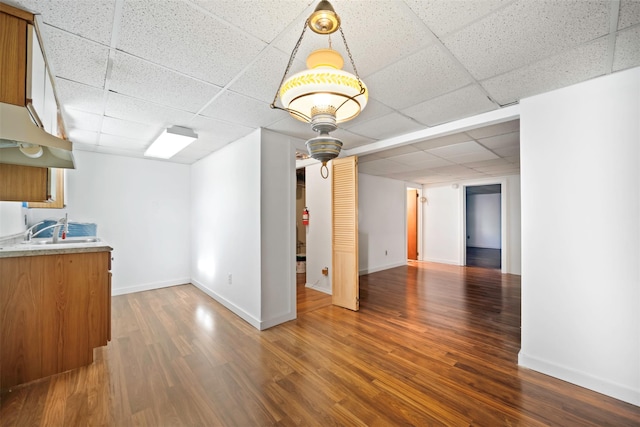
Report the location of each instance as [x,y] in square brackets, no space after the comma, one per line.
[73,240]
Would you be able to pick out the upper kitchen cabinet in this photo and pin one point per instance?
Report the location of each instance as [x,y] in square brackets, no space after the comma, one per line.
[13,54]
[32,136]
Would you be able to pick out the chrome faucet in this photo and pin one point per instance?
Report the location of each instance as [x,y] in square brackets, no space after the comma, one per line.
[62,222]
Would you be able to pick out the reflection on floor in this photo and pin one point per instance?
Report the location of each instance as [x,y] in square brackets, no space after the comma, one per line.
[483,257]
[309,299]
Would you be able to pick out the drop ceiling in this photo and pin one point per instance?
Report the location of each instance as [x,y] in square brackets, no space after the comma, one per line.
[126,69]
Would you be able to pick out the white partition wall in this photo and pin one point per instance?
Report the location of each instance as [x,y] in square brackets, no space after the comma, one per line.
[580,157]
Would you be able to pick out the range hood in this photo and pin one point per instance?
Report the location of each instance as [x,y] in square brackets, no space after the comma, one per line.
[22,142]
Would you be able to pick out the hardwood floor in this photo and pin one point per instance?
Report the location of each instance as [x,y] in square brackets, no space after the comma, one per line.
[309,299]
[431,345]
[484,257]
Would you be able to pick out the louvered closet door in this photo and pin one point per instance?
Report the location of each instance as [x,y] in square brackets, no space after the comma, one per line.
[345,281]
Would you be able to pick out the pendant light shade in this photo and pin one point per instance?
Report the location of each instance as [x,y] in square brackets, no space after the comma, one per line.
[323,94]
[324,84]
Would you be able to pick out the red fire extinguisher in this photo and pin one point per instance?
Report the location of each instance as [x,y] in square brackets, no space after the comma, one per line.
[305,216]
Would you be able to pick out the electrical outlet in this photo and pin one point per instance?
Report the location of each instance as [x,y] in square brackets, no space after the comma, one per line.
[230,278]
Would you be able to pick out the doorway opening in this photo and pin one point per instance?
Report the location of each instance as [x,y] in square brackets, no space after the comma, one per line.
[483,225]
[412,224]
[301,232]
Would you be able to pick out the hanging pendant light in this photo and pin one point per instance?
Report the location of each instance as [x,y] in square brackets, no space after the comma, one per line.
[324,94]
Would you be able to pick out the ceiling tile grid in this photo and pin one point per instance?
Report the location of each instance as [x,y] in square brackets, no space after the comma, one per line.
[144,80]
[89,19]
[421,76]
[129,68]
[465,102]
[179,36]
[627,53]
[525,32]
[75,58]
[564,69]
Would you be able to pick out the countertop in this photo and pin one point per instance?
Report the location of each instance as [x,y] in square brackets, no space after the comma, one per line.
[37,248]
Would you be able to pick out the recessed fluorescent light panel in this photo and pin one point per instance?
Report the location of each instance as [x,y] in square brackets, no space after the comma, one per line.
[171,141]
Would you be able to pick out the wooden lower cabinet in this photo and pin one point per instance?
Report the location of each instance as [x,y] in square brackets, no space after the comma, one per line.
[54,310]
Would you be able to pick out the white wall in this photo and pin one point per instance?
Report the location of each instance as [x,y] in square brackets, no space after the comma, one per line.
[382,223]
[243,225]
[225,226]
[484,221]
[581,234]
[278,233]
[142,210]
[318,194]
[11,218]
[443,235]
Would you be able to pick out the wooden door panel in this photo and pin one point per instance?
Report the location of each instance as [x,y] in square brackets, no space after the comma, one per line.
[412,224]
[345,280]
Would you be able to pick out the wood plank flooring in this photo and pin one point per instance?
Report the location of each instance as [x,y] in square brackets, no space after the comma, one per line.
[431,345]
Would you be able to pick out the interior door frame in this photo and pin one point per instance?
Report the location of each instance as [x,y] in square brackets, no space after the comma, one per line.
[419,220]
[504,238]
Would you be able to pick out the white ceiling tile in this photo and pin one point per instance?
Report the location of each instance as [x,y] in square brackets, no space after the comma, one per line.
[349,140]
[508,151]
[378,34]
[629,13]
[290,126]
[420,158]
[127,108]
[528,31]
[214,134]
[465,102]
[473,157]
[90,19]
[184,38]
[240,109]
[373,110]
[140,79]
[496,168]
[82,136]
[460,149]
[444,16]
[382,165]
[627,52]
[500,141]
[398,151]
[261,79]
[74,58]
[129,129]
[264,20]
[442,141]
[452,170]
[79,146]
[494,130]
[116,141]
[421,76]
[386,126]
[79,96]
[487,163]
[82,120]
[582,63]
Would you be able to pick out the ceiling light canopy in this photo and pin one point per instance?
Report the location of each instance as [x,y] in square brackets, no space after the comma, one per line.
[170,142]
[324,94]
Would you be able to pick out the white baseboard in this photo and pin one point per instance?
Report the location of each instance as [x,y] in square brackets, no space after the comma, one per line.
[382,267]
[228,304]
[148,286]
[318,288]
[266,324]
[442,261]
[617,391]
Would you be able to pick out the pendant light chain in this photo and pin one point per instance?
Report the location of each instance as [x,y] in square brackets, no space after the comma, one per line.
[286,71]
[355,70]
